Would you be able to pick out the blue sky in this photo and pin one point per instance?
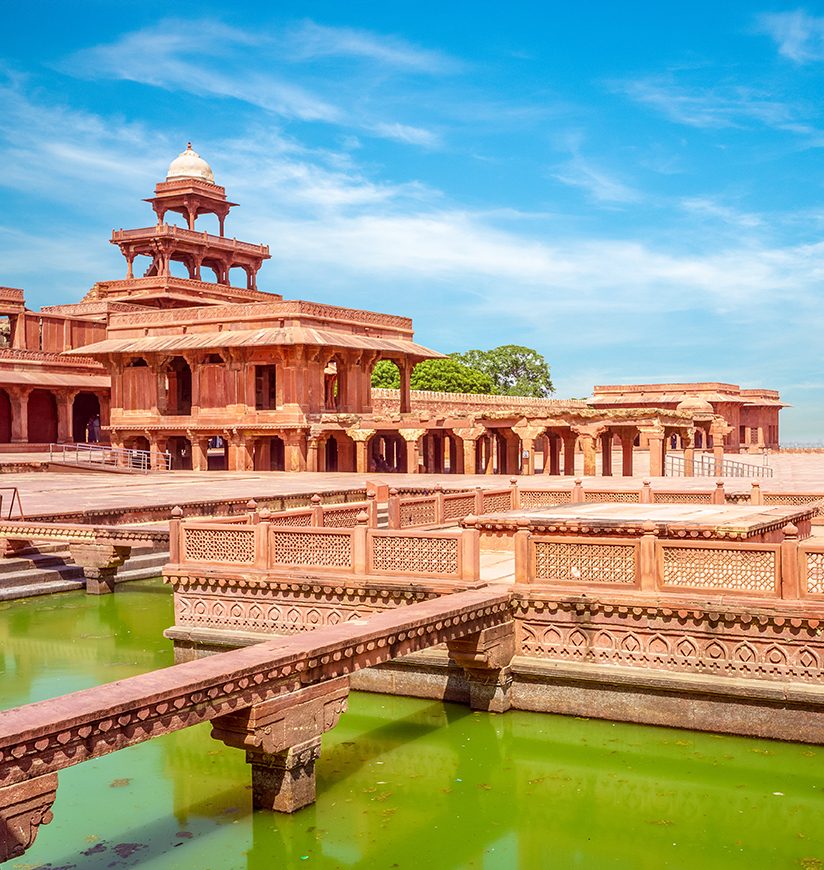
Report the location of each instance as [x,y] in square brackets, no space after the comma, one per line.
[634,189]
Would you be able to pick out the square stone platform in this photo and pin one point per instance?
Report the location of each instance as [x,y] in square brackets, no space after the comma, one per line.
[751,523]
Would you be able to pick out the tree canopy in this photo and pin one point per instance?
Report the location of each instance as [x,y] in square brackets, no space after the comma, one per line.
[436,375]
[510,370]
[515,370]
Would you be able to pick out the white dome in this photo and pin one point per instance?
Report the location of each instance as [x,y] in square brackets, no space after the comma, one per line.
[189,164]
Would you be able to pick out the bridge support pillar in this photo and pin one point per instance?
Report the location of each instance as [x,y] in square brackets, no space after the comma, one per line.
[282,742]
[99,563]
[485,658]
[23,808]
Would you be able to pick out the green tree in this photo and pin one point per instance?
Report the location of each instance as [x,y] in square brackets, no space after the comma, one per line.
[386,375]
[515,370]
[450,376]
[438,375]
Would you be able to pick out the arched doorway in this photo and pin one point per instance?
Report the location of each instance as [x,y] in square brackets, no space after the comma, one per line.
[217,454]
[387,452]
[85,418]
[42,417]
[180,450]
[331,454]
[269,454]
[179,388]
[5,417]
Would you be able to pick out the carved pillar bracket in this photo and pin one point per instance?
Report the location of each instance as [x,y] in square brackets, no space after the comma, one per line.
[412,438]
[282,742]
[99,563]
[361,438]
[588,437]
[485,658]
[23,808]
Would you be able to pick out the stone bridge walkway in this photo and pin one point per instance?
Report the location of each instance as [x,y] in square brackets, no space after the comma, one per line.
[273,699]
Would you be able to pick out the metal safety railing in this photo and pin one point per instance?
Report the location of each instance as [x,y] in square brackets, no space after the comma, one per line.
[113,457]
[704,466]
[12,499]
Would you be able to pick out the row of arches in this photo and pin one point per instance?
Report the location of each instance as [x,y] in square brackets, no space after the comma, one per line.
[492,450]
[34,417]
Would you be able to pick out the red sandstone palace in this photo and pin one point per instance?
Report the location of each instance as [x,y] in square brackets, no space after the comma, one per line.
[225,376]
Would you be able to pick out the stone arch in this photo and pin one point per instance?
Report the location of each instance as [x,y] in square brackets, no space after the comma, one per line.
[42,417]
[337,453]
[386,451]
[85,418]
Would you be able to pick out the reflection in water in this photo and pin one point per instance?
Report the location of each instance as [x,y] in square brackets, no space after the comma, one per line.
[403,782]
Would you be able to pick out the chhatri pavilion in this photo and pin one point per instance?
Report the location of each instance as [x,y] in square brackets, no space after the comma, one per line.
[227,376]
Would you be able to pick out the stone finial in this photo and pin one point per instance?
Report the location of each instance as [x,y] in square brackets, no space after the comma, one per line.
[469,520]
[315,499]
[362,518]
[437,487]
[719,483]
[790,530]
[513,481]
[251,505]
[393,491]
[177,512]
[265,513]
[646,482]
[648,527]
[578,481]
[371,495]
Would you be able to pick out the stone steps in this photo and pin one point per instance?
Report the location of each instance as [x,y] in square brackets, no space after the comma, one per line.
[41,571]
[142,566]
[48,568]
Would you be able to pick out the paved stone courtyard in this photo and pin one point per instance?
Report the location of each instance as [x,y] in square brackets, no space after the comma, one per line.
[50,492]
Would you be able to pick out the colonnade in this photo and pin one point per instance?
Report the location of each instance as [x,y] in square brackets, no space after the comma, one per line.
[515,449]
[34,415]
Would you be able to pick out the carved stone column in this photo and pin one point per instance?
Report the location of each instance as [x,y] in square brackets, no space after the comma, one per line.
[469,444]
[719,431]
[570,439]
[688,442]
[361,438]
[627,444]
[19,414]
[655,440]
[412,438]
[282,742]
[485,658]
[588,438]
[528,436]
[295,458]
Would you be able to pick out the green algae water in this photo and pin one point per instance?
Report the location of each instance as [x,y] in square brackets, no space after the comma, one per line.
[402,783]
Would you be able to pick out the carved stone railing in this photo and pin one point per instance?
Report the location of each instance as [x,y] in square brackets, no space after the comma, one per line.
[261,546]
[276,308]
[38,740]
[192,236]
[718,568]
[440,508]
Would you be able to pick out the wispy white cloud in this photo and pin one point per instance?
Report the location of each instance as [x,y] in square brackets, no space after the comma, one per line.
[209,59]
[711,207]
[311,40]
[408,134]
[798,35]
[710,107]
[601,186]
